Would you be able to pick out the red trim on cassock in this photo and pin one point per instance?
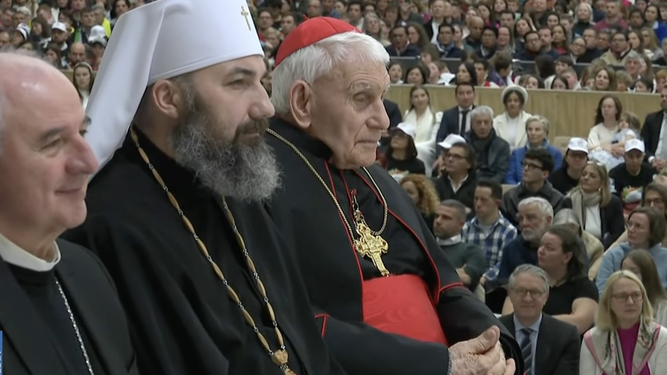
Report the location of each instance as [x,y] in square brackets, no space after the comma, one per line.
[450,286]
[324,318]
[402,305]
[436,290]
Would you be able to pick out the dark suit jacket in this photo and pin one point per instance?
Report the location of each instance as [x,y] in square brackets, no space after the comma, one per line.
[410,51]
[651,131]
[612,226]
[393,112]
[92,295]
[448,125]
[558,346]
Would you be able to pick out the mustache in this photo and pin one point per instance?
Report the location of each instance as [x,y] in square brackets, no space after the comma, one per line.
[253,127]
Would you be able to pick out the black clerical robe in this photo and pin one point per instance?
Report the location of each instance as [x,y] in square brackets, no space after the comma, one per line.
[184,322]
[38,342]
[338,278]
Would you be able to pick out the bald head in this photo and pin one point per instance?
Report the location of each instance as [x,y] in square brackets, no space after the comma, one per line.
[77,53]
[27,80]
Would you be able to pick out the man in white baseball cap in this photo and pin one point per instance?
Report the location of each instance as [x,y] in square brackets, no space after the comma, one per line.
[632,175]
[567,176]
[175,212]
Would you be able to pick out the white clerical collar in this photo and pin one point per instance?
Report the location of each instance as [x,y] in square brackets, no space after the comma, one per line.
[13,254]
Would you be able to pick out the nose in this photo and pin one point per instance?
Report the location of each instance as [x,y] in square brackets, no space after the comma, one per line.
[261,106]
[82,160]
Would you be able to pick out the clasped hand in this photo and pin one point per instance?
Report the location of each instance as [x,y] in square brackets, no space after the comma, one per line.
[482,355]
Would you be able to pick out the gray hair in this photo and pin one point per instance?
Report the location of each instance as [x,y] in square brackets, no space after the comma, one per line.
[633,55]
[542,204]
[317,60]
[541,119]
[531,270]
[458,206]
[481,110]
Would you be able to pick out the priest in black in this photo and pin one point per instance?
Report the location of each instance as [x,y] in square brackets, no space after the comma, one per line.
[388,300]
[174,215]
[59,311]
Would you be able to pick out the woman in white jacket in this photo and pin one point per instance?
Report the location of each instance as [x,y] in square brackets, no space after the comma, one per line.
[426,122]
[626,340]
[511,124]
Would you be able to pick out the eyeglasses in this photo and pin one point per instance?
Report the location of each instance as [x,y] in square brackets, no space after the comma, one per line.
[623,297]
[534,293]
[454,156]
[531,166]
[595,162]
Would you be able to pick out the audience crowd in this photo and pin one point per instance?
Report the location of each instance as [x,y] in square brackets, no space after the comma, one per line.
[568,245]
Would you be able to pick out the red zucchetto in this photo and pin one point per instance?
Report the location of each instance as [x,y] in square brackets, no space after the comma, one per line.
[310,32]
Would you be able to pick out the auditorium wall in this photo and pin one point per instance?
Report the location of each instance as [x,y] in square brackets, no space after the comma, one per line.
[570,113]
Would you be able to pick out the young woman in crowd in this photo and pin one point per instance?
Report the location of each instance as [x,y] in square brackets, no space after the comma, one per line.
[82,78]
[422,193]
[596,208]
[646,230]
[641,263]
[594,248]
[625,340]
[401,153]
[511,125]
[427,123]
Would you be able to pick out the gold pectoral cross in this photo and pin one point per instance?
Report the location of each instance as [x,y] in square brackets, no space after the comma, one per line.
[371,246]
[280,358]
[245,14]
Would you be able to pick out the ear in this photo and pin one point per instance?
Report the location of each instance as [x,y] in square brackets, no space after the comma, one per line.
[568,256]
[300,100]
[168,98]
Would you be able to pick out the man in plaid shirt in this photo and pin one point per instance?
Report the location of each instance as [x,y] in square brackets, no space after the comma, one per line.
[489,229]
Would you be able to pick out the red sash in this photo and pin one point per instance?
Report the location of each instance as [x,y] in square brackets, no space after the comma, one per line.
[402,305]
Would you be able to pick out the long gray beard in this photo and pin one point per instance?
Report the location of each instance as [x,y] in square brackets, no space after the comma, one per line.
[245,171]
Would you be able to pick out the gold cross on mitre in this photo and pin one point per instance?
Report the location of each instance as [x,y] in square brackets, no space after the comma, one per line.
[245,14]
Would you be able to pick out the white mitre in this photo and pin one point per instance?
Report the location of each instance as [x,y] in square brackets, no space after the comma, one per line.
[161,40]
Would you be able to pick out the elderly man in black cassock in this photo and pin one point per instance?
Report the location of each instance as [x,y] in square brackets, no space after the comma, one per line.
[388,301]
[174,214]
[59,311]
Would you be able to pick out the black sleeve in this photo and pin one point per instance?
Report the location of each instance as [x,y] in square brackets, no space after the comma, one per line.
[364,350]
[462,315]
[568,363]
[586,289]
[393,112]
[442,133]
[645,135]
[614,221]
[151,298]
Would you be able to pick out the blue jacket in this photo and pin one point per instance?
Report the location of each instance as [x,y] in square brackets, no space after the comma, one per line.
[611,262]
[515,171]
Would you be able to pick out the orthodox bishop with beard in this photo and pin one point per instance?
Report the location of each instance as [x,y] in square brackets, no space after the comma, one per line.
[388,300]
[175,213]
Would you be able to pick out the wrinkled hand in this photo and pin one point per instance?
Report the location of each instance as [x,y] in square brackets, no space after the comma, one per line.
[482,355]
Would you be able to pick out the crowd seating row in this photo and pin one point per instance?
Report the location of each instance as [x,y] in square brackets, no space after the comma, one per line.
[570,113]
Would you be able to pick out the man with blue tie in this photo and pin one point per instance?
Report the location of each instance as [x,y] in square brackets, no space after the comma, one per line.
[548,346]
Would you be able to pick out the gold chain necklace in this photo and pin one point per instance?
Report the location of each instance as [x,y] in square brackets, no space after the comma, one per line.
[369,244]
[279,357]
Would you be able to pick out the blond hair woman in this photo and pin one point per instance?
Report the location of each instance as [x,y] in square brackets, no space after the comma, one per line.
[626,340]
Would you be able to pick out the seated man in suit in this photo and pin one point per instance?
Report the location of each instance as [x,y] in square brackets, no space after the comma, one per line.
[457,120]
[653,129]
[60,314]
[549,346]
